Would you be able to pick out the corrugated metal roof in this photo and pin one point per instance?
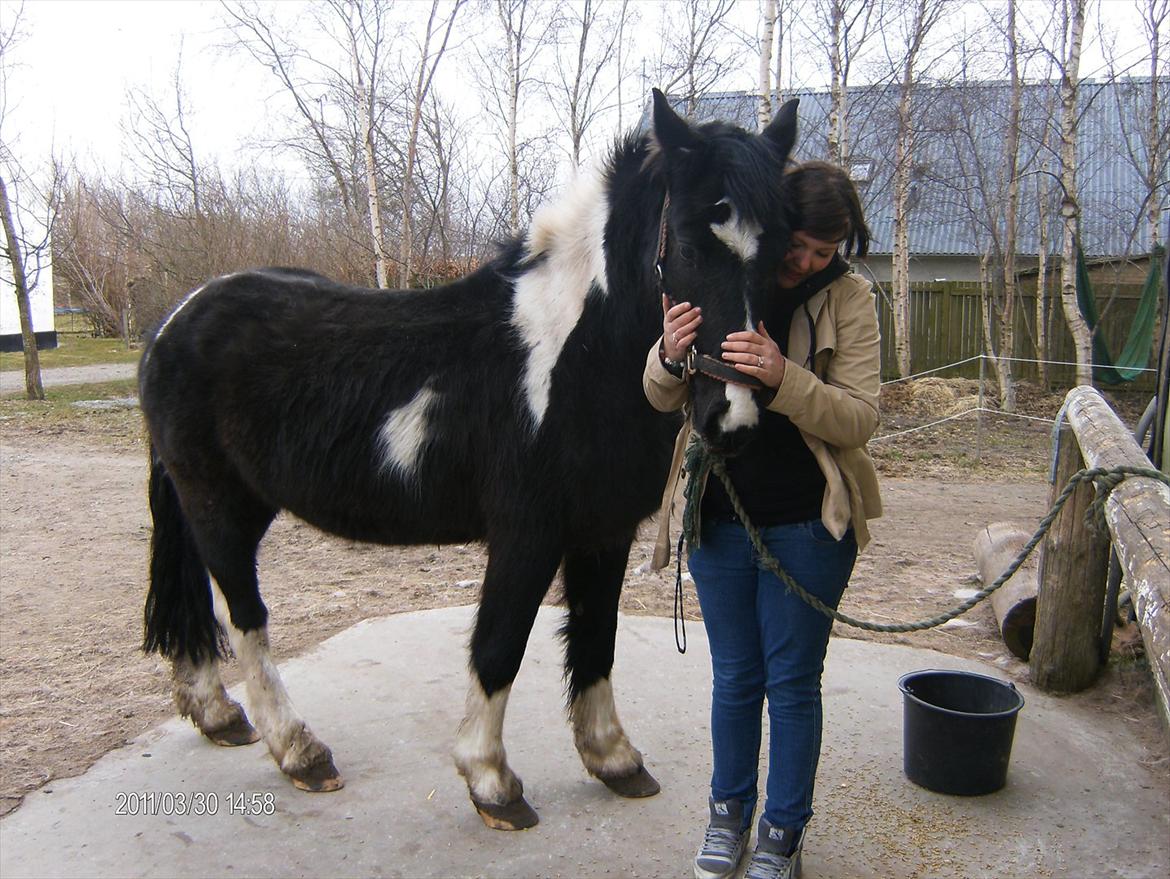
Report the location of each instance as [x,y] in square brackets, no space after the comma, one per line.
[959,161]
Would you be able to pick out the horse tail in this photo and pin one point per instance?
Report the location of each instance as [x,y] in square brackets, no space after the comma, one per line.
[178,618]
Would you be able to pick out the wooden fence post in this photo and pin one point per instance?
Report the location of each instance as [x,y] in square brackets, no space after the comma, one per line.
[1074,563]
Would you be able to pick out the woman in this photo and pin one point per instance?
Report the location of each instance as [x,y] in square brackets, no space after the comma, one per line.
[807,483]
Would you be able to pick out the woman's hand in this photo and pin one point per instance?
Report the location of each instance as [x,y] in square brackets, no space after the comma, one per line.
[680,325]
[754,353]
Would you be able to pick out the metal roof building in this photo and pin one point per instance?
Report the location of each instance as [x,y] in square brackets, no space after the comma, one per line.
[958,184]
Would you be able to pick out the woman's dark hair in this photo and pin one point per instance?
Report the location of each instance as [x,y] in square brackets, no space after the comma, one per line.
[824,203]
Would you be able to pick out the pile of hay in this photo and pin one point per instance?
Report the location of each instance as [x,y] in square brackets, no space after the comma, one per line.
[934,397]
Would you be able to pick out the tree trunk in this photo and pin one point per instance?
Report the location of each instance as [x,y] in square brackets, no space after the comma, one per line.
[1155,154]
[1042,276]
[836,87]
[32,361]
[1069,206]
[1007,326]
[363,97]
[903,163]
[769,27]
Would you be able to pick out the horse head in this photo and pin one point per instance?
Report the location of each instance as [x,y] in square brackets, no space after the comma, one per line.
[724,232]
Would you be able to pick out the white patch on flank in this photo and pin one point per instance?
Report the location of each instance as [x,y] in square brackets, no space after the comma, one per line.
[605,750]
[479,747]
[568,237]
[743,238]
[404,433]
[276,719]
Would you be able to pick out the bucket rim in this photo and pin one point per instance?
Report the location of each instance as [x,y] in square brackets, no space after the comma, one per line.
[1007,712]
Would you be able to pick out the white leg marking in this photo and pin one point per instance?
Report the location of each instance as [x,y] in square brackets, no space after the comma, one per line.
[741,237]
[602,743]
[289,740]
[568,237]
[404,434]
[479,748]
[199,694]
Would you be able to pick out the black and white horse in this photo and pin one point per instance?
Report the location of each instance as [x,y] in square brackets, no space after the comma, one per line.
[506,407]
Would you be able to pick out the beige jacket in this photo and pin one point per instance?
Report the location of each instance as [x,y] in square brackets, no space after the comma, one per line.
[834,405]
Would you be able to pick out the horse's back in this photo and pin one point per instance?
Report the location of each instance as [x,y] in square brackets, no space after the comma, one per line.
[334,402]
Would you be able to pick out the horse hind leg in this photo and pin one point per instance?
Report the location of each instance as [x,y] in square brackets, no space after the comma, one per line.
[593,582]
[515,581]
[228,530]
[303,757]
[200,695]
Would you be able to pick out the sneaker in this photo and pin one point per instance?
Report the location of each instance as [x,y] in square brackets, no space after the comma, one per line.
[777,854]
[723,843]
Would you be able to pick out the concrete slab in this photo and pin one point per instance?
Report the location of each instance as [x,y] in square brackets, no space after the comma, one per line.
[387,696]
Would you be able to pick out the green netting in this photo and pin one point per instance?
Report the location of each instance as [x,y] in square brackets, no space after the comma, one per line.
[1136,354]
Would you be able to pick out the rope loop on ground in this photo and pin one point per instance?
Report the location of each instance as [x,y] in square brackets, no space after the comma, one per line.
[701,460]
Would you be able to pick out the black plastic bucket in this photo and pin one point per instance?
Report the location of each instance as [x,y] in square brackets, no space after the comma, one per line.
[957,730]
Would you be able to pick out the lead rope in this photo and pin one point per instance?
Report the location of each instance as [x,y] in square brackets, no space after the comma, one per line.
[1105,479]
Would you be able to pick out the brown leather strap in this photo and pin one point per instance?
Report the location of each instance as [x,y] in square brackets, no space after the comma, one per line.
[721,370]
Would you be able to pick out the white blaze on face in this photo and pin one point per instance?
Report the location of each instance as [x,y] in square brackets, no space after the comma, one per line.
[568,238]
[742,237]
[404,433]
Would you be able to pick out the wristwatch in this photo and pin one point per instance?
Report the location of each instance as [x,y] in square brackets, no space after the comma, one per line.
[675,367]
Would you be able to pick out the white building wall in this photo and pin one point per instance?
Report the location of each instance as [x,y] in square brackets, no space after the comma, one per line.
[40,280]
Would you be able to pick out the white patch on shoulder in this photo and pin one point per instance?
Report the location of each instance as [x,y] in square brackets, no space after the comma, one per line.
[568,238]
[742,238]
[404,433]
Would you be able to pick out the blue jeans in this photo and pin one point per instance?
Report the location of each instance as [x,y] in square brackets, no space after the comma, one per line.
[766,641]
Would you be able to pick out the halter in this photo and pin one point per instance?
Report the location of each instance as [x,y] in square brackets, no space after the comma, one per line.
[697,362]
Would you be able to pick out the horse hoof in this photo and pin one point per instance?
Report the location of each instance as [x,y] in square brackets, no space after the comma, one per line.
[319,777]
[640,784]
[516,815]
[234,734]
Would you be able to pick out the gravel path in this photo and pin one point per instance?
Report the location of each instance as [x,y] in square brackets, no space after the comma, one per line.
[12,381]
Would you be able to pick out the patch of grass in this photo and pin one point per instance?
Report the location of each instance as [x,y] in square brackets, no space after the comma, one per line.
[75,351]
[56,414]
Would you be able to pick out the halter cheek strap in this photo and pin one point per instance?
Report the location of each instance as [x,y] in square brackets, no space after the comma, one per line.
[712,367]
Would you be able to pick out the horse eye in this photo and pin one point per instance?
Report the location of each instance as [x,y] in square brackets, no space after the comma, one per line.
[687,253]
[720,213]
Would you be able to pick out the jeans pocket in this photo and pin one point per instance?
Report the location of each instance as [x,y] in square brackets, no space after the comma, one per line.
[818,532]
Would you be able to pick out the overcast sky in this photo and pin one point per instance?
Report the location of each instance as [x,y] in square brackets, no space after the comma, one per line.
[67,89]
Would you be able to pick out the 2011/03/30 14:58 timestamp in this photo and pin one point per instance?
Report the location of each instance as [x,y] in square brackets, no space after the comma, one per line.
[164,803]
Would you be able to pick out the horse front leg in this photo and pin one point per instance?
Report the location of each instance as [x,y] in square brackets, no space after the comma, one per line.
[593,583]
[518,574]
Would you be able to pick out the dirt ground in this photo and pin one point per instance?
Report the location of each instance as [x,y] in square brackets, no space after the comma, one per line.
[74,533]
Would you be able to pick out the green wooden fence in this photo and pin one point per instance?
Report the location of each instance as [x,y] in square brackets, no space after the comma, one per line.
[946,320]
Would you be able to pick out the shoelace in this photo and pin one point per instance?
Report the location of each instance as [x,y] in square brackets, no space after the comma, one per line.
[767,865]
[719,841]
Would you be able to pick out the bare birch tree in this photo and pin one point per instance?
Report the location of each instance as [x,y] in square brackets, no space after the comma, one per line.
[919,19]
[23,253]
[1011,154]
[848,26]
[589,48]
[696,53]
[428,63]
[1071,17]
[525,29]
[767,33]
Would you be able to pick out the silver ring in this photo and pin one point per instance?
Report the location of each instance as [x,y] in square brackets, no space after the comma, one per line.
[760,358]
[675,337]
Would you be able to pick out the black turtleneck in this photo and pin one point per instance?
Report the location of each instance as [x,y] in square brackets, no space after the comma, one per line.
[775,475]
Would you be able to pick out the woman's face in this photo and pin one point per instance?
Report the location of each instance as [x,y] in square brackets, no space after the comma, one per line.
[806,256]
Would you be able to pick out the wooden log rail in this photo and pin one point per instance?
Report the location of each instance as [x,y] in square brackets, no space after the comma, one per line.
[1138,516]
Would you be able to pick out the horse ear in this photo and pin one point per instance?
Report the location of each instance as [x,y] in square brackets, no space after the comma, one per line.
[670,129]
[782,129]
